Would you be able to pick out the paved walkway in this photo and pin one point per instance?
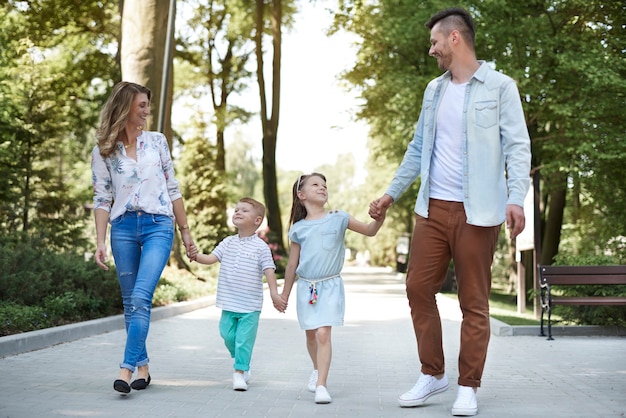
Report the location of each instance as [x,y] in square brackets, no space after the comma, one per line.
[374,361]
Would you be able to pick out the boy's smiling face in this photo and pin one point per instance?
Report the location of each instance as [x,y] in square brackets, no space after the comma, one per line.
[245,216]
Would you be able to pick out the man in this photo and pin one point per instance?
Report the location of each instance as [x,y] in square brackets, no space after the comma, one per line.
[472,150]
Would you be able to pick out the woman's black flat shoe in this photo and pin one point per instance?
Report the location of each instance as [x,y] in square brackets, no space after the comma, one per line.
[140,384]
[121,386]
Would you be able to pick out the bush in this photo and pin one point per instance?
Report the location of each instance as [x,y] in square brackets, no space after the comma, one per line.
[16,318]
[39,289]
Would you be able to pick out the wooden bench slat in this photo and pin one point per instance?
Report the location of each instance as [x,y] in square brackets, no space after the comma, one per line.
[582,270]
[582,280]
[588,300]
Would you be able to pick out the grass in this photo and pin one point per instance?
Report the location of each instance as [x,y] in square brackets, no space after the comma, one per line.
[503,307]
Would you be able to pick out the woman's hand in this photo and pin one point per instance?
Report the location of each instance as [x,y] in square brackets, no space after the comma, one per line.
[101,256]
[190,247]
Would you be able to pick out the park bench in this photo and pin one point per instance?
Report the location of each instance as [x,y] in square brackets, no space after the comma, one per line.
[578,275]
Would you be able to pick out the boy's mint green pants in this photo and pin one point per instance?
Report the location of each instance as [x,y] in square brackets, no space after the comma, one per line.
[239,333]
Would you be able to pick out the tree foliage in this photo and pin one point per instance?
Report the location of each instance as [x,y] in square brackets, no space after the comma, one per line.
[51,54]
[568,60]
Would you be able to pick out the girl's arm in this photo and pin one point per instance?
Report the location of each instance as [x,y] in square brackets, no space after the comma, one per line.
[290,270]
[369,229]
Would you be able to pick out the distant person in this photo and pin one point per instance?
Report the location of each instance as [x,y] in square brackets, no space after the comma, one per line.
[316,256]
[244,259]
[472,151]
[136,192]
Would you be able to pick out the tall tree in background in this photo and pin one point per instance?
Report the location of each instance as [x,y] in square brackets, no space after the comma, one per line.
[143,52]
[215,46]
[144,38]
[51,54]
[568,59]
[273,10]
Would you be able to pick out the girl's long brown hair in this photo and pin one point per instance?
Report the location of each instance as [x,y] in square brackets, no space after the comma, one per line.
[298,211]
[115,113]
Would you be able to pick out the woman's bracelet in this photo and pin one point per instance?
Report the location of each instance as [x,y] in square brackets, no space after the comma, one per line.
[181,228]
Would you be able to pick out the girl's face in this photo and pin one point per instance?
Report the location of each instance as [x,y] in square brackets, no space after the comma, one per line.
[314,189]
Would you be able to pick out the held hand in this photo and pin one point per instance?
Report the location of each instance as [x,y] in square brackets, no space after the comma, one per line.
[279,303]
[515,220]
[101,256]
[192,251]
[378,208]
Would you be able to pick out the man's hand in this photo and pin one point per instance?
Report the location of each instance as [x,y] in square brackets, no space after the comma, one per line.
[378,208]
[515,220]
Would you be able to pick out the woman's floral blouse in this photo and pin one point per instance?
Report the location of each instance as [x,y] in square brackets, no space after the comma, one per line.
[122,184]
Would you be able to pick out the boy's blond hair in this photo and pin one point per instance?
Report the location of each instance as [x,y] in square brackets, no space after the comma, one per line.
[258,207]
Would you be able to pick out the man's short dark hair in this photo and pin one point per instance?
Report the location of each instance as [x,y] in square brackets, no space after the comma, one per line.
[454,18]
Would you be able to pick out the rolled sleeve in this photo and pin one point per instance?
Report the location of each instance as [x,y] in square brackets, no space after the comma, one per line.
[101,180]
[167,165]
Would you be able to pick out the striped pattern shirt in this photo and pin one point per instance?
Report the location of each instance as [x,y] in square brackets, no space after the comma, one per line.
[240,282]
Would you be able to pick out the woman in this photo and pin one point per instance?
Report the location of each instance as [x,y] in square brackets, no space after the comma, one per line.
[136,192]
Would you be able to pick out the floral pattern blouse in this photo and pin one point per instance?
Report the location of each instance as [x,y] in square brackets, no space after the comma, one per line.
[122,184]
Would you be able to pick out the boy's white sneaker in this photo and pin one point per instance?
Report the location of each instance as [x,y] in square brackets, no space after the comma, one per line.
[239,383]
[425,387]
[312,381]
[322,395]
[466,404]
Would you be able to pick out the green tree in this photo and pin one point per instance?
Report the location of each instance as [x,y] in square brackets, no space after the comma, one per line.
[47,99]
[215,46]
[568,60]
[204,191]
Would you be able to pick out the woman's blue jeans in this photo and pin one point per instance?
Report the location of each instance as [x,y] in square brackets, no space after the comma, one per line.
[141,244]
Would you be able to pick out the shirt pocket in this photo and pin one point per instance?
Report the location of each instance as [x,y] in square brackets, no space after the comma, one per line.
[486,113]
[328,239]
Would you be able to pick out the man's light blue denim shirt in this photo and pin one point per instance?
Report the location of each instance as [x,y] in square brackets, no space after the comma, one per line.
[496,148]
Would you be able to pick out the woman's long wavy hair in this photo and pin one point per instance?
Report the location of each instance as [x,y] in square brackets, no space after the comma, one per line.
[298,211]
[115,113]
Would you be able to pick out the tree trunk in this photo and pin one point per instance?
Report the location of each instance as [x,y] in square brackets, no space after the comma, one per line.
[554,220]
[270,125]
[143,53]
[143,61]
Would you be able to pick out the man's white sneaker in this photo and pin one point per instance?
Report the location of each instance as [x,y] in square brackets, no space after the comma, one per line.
[465,404]
[239,383]
[312,381]
[425,387]
[322,395]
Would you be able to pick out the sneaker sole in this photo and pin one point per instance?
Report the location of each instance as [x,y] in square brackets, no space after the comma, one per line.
[464,412]
[417,402]
[240,389]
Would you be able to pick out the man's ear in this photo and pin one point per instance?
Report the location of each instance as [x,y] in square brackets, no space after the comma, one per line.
[456,36]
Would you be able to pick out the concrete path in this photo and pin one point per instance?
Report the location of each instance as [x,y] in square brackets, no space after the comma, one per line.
[374,361]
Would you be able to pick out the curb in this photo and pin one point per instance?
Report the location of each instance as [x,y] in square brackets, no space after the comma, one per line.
[501,329]
[11,345]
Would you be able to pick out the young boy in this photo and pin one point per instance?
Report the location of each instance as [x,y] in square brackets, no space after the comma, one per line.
[244,259]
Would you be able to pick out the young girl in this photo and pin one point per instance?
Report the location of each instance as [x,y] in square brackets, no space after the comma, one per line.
[316,257]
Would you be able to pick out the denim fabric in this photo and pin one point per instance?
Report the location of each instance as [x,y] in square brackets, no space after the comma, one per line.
[496,148]
[239,333]
[141,244]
